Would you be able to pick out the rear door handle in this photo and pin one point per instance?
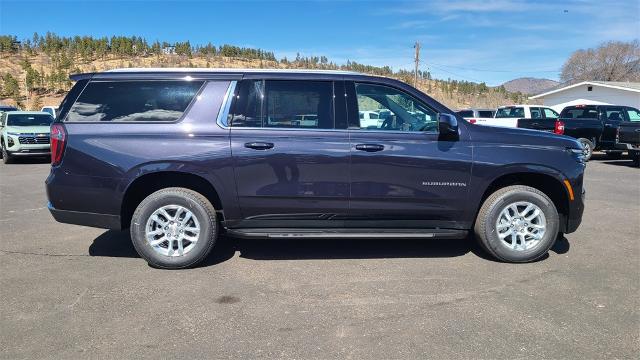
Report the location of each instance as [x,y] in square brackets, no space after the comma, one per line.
[370,147]
[259,145]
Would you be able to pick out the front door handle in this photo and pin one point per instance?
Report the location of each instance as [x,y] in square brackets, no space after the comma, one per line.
[259,145]
[370,147]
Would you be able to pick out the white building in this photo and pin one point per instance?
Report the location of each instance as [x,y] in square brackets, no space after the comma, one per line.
[592,92]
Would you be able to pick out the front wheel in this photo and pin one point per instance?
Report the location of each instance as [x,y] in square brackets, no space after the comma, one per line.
[517,224]
[587,147]
[6,157]
[174,228]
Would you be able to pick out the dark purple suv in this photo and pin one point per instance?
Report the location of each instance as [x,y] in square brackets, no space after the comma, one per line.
[180,155]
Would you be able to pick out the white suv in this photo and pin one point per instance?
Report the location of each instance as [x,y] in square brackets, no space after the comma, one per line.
[507,116]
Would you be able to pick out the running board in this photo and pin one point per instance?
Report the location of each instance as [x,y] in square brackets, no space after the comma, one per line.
[280,233]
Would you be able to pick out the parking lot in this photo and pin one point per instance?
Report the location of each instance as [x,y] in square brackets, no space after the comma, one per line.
[70,291]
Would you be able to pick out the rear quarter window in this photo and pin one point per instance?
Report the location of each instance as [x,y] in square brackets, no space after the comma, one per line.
[132,101]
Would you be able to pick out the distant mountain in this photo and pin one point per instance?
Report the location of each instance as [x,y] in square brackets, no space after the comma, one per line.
[529,85]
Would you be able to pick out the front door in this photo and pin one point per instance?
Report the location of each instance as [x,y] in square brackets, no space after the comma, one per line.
[402,175]
[290,163]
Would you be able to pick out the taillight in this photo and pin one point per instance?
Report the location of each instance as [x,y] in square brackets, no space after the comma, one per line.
[473,121]
[58,142]
[559,128]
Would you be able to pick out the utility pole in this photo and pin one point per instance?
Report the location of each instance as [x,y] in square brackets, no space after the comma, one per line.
[415,74]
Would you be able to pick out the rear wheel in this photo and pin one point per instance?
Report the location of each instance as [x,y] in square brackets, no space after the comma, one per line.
[587,147]
[174,228]
[517,224]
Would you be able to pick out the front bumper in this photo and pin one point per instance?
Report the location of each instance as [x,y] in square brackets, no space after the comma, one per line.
[105,221]
[574,219]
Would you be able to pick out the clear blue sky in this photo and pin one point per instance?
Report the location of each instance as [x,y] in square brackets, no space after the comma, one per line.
[491,41]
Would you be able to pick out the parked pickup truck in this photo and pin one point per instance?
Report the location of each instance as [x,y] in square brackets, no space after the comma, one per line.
[595,126]
[507,116]
[628,137]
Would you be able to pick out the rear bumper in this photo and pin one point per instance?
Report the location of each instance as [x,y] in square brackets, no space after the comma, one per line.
[105,221]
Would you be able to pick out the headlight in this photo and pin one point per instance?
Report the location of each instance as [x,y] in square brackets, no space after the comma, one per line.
[578,154]
[14,134]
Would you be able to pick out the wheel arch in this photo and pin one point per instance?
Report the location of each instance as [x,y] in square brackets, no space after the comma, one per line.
[146,184]
[551,185]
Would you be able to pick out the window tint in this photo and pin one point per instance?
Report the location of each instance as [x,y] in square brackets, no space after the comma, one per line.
[285,104]
[536,113]
[299,104]
[510,112]
[48,110]
[549,113]
[247,105]
[485,114]
[634,114]
[579,113]
[615,114]
[396,110]
[465,113]
[134,101]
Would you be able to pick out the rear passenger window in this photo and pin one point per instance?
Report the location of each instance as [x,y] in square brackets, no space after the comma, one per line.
[132,101]
[283,104]
[535,113]
[615,114]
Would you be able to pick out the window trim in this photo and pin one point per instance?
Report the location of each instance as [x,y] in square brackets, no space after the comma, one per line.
[225,115]
[350,85]
[180,119]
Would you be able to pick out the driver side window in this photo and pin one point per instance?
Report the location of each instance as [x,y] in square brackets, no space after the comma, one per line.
[385,108]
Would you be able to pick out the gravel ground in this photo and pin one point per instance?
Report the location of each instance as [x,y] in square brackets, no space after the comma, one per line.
[74,292]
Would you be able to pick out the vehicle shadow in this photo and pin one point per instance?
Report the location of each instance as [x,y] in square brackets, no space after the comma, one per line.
[113,243]
[29,160]
[604,159]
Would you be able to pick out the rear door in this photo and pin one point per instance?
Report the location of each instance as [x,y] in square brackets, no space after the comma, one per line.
[401,173]
[287,169]
[612,117]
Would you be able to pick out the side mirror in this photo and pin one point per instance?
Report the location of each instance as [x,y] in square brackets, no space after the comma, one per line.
[448,126]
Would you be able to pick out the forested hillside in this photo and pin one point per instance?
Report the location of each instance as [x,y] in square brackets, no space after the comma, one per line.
[35,71]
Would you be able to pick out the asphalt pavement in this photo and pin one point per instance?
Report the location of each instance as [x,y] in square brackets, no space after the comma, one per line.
[74,292]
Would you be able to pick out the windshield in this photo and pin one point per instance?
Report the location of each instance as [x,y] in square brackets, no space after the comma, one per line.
[29,120]
[510,112]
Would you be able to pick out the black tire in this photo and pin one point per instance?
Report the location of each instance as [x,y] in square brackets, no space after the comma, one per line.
[635,156]
[6,157]
[486,232]
[199,206]
[588,147]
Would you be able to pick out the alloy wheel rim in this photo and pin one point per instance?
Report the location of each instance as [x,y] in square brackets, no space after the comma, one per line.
[521,226]
[172,230]
[586,148]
